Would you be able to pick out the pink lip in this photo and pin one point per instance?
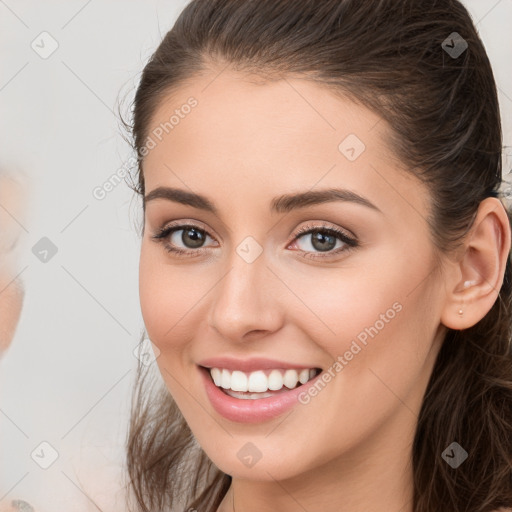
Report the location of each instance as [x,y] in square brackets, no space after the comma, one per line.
[251,411]
[249,365]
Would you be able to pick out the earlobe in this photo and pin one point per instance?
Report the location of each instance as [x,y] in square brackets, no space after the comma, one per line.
[476,278]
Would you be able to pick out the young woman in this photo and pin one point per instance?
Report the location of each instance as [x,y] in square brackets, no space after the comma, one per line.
[325,265]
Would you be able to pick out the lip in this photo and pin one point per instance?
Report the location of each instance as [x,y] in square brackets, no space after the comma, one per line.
[250,365]
[252,411]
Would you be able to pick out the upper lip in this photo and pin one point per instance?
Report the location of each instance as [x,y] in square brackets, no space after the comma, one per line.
[249,365]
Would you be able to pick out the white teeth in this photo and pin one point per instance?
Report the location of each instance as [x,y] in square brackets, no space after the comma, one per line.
[238,381]
[216,376]
[304,376]
[247,396]
[275,380]
[225,381]
[259,381]
[291,378]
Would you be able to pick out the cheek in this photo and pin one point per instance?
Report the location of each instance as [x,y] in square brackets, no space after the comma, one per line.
[170,300]
[379,311]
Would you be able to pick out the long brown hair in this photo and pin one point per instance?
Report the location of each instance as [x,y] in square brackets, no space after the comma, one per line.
[391,56]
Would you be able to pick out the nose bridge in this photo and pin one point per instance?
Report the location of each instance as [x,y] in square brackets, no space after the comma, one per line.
[243,300]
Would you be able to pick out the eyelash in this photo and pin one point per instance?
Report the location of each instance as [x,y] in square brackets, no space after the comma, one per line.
[350,243]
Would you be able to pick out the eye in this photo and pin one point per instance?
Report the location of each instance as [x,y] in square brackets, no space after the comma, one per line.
[191,236]
[323,239]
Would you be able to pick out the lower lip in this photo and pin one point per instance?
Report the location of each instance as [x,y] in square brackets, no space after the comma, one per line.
[252,411]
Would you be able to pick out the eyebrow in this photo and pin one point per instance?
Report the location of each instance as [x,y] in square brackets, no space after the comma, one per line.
[281,204]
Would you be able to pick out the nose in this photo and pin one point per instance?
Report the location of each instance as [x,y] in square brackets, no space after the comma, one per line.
[245,302]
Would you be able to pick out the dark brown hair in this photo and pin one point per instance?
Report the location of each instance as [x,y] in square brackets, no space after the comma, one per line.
[445,127]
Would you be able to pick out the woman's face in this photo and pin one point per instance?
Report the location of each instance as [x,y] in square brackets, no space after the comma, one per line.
[362,305]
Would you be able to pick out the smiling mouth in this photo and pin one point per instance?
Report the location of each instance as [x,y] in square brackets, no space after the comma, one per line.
[261,383]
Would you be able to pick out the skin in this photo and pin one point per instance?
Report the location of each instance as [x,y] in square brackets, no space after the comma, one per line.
[11,299]
[349,448]
[11,289]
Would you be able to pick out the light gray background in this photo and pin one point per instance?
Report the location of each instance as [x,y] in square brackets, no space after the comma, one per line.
[67,378]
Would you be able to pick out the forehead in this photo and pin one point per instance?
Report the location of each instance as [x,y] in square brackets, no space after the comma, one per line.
[231,105]
[291,133]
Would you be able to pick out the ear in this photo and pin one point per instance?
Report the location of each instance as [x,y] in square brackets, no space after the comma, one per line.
[475,278]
